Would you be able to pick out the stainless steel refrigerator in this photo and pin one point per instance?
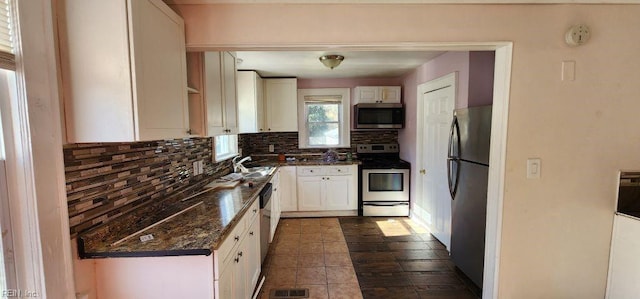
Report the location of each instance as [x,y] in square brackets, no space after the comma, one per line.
[468,173]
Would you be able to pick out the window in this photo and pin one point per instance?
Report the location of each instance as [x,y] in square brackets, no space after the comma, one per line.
[323,118]
[225,147]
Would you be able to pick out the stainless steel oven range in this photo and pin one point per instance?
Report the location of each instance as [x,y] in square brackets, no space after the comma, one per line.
[384,181]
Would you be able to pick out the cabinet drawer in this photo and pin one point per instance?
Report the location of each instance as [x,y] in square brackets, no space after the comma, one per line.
[338,170]
[231,242]
[310,170]
[252,213]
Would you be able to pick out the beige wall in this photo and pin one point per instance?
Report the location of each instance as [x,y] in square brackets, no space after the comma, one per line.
[556,230]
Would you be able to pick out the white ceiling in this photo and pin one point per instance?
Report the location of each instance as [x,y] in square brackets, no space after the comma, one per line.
[356,64]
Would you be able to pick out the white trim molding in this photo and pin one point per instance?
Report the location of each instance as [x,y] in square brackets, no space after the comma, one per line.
[400,2]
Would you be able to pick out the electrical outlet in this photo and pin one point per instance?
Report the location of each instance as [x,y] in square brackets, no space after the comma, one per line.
[195,168]
[271,149]
[200,167]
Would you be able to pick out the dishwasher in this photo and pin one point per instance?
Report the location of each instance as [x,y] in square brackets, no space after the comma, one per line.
[265,219]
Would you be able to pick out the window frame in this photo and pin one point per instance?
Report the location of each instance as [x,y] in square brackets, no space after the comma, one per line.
[344,123]
[232,148]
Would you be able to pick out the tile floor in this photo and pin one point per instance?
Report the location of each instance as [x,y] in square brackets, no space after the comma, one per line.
[362,257]
[311,253]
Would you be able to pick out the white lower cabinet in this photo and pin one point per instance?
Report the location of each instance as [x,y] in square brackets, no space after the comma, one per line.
[287,189]
[327,188]
[237,260]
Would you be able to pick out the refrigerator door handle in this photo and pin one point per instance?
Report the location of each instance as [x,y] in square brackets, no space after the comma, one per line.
[453,157]
[453,134]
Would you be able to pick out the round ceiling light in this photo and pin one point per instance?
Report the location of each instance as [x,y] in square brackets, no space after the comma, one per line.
[331,61]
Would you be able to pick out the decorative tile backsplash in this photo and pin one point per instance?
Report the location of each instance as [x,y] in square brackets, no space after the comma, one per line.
[106,180]
[287,143]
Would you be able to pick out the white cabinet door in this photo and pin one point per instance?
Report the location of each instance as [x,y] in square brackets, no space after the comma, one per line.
[124,71]
[224,285]
[275,204]
[230,92]
[339,193]
[239,265]
[220,93]
[310,193]
[624,264]
[250,102]
[366,94]
[390,94]
[377,94]
[287,189]
[213,94]
[282,104]
[253,254]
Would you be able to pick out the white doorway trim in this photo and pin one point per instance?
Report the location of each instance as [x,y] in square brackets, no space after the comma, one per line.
[497,155]
[438,84]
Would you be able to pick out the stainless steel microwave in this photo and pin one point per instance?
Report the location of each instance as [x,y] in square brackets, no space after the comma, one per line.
[379,116]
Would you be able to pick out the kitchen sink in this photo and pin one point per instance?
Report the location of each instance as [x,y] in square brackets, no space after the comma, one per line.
[258,172]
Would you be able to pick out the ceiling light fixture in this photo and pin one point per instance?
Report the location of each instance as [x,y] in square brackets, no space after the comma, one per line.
[331,61]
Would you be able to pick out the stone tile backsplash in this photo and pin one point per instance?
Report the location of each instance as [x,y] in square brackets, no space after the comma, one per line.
[107,180]
[287,142]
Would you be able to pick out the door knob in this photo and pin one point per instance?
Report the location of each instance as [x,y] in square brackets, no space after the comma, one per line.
[423,171]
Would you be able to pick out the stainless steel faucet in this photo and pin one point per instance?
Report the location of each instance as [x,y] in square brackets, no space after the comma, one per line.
[237,166]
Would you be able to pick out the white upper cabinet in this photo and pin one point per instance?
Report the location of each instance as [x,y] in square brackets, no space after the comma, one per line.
[220,93]
[124,71]
[377,94]
[250,103]
[281,101]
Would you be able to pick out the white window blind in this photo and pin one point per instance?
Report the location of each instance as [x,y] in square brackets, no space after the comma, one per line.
[7,58]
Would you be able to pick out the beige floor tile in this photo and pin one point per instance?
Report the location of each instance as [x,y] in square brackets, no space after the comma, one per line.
[331,229]
[311,247]
[311,222]
[333,237]
[344,291]
[335,247]
[311,260]
[279,238]
[278,277]
[310,237]
[341,275]
[283,261]
[331,222]
[310,229]
[315,291]
[337,259]
[287,247]
[312,275]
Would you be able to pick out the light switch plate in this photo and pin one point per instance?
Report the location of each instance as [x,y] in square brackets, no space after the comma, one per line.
[533,168]
[271,149]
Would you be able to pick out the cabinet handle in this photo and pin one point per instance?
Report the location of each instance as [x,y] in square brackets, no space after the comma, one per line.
[251,233]
[255,210]
[240,253]
[328,179]
[236,259]
[269,129]
[236,238]
[189,132]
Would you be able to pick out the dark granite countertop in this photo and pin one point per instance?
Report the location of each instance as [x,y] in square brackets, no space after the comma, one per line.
[197,231]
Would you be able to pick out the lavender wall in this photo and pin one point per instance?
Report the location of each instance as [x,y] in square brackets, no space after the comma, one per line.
[476,92]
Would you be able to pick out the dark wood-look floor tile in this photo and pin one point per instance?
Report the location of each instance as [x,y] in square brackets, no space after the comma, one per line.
[390,292]
[382,279]
[417,255]
[427,265]
[362,239]
[394,258]
[368,246]
[385,266]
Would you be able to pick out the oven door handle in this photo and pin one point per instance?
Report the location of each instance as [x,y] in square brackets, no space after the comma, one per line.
[389,204]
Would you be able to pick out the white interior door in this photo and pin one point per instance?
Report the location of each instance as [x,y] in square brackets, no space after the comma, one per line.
[435,112]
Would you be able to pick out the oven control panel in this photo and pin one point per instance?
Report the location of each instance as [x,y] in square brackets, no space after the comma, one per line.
[377,148]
